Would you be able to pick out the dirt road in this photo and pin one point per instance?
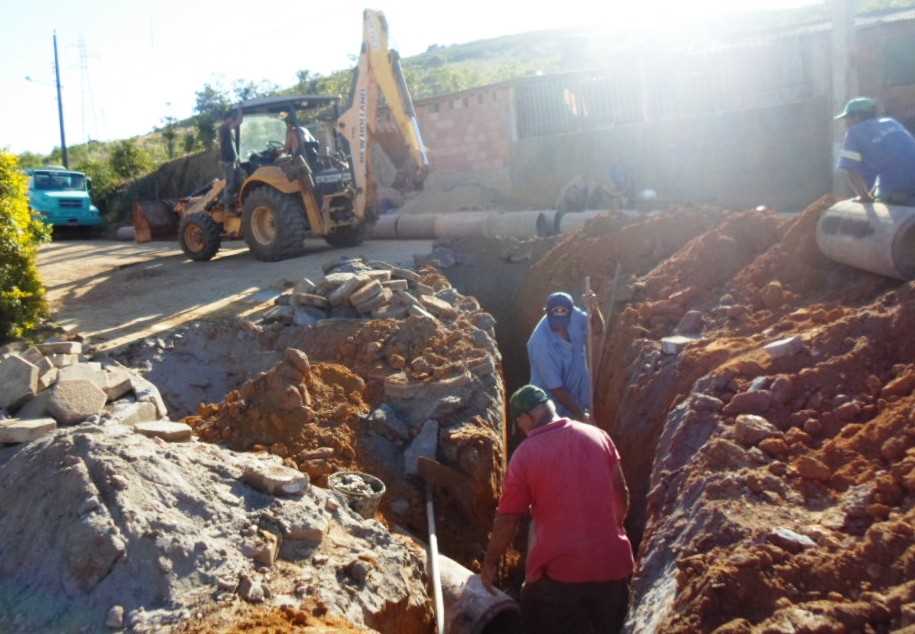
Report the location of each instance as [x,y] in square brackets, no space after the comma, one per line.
[116,292]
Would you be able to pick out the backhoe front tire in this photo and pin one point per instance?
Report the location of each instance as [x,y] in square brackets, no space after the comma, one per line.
[351,236]
[274,224]
[200,236]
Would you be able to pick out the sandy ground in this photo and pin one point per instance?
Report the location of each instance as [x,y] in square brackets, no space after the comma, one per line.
[116,292]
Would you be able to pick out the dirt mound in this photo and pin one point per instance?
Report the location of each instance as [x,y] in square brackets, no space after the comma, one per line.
[99,517]
[307,618]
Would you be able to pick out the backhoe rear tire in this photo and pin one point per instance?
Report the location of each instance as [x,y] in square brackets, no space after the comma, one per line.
[274,224]
[351,236]
[200,236]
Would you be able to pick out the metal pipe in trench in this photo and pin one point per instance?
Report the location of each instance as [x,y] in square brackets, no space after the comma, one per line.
[871,236]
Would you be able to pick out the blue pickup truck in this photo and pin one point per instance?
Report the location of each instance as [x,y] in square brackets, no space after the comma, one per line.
[62,198]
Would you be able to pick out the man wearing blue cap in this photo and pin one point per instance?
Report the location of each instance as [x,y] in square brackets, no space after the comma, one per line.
[557,350]
[878,155]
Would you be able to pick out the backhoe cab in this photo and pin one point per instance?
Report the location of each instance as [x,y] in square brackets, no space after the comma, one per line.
[329,190]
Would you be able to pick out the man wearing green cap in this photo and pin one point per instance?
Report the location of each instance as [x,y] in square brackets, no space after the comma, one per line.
[568,476]
[878,155]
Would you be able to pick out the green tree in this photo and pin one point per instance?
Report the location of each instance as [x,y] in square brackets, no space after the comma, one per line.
[104,180]
[170,135]
[31,159]
[189,141]
[129,160]
[246,89]
[206,129]
[212,100]
[22,295]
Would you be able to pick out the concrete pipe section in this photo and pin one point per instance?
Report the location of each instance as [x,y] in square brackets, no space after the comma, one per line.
[461,224]
[870,236]
[515,224]
[416,227]
[385,228]
[573,221]
[470,608]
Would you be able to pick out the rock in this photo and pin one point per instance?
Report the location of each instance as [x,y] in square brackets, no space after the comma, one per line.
[484,321]
[425,444]
[275,479]
[848,411]
[387,423]
[298,359]
[775,447]
[724,454]
[264,549]
[304,318]
[416,311]
[117,382]
[89,371]
[358,571]
[17,430]
[130,413]
[756,402]
[382,275]
[787,539]
[675,344]
[147,392]
[900,386]
[47,373]
[310,299]
[18,381]
[438,307]
[784,347]
[781,389]
[36,407]
[302,520]
[690,324]
[115,618]
[336,279]
[250,589]
[377,301]
[73,401]
[813,427]
[165,429]
[810,468]
[706,403]
[750,429]
[391,311]
[365,293]
[345,290]
[405,274]
[61,347]
[773,295]
[396,285]
[63,360]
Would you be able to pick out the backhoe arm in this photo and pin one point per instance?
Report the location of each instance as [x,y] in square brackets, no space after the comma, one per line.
[379,76]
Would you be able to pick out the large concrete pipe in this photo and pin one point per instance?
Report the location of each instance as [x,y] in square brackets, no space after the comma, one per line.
[460,224]
[470,608]
[574,221]
[385,228]
[515,224]
[870,236]
[416,226]
[548,223]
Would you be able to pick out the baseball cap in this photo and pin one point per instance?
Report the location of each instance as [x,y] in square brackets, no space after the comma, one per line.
[559,309]
[858,105]
[525,399]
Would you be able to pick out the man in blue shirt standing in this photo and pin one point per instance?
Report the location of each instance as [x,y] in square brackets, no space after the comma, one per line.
[878,155]
[557,350]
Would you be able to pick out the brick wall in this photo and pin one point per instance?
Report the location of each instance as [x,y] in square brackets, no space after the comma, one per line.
[468,131]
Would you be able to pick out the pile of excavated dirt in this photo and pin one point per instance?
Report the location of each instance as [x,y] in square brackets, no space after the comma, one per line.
[308,618]
[769,454]
[103,527]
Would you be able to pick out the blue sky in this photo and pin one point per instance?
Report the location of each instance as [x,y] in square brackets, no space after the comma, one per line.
[145,63]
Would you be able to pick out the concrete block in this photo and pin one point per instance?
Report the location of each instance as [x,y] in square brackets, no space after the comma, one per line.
[18,381]
[20,431]
[63,360]
[382,275]
[381,299]
[275,479]
[345,290]
[73,401]
[405,274]
[396,285]
[32,355]
[85,372]
[165,429]
[310,299]
[438,307]
[675,344]
[61,347]
[405,299]
[117,382]
[425,444]
[784,347]
[130,413]
[336,279]
[365,293]
[47,374]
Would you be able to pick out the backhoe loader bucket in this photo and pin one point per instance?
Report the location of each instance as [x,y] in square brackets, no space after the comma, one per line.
[155,220]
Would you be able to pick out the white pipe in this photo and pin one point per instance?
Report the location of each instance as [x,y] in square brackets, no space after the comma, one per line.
[434,564]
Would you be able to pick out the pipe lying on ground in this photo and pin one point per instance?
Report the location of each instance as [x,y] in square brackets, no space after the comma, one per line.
[573,221]
[870,236]
[470,608]
[515,224]
[416,226]
[464,224]
[385,228]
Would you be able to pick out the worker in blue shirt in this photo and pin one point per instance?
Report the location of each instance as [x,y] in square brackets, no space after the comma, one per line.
[557,350]
[878,155]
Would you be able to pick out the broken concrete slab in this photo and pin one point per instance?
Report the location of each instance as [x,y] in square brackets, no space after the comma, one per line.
[396,285]
[750,430]
[275,479]
[63,360]
[18,381]
[130,413]
[47,374]
[85,371]
[73,401]
[365,293]
[382,275]
[310,299]
[146,391]
[425,444]
[438,307]
[786,347]
[381,299]
[345,290]
[117,382]
[17,431]
[336,279]
[32,355]
[165,429]
[61,347]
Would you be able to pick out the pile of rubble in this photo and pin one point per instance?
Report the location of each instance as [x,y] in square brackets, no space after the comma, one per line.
[53,384]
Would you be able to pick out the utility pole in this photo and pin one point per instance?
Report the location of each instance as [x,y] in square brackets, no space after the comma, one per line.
[60,107]
[844,78]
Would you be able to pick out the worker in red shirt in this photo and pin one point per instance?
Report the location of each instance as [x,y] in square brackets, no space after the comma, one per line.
[568,476]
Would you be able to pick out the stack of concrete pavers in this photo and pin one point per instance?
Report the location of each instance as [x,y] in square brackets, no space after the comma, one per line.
[53,383]
[354,288]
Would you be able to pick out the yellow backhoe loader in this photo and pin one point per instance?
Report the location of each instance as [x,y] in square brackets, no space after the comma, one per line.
[330,190]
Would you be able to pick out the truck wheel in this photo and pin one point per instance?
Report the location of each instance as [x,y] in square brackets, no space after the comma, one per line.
[351,236]
[200,236]
[273,224]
